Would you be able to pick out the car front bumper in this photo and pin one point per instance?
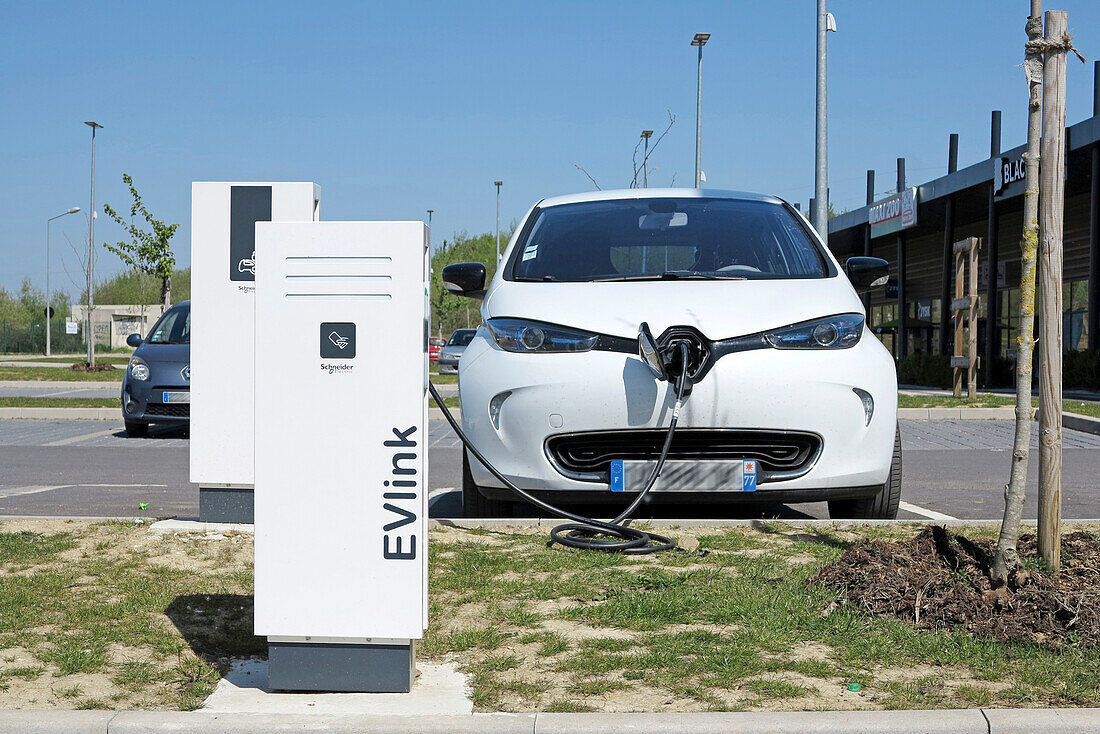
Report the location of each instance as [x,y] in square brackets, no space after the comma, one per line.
[808,391]
[142,402]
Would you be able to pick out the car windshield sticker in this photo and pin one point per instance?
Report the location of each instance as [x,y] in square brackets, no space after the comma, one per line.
[531,252]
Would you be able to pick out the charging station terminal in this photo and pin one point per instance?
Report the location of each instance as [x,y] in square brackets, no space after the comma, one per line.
[223,274]
[341,577]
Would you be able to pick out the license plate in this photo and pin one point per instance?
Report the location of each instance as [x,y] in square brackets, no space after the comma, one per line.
[685,476]
[176,397]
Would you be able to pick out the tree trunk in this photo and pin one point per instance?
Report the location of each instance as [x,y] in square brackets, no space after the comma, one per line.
[1006,558]
[166,292]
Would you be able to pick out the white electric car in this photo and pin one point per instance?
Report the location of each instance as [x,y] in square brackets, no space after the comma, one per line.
[791,397]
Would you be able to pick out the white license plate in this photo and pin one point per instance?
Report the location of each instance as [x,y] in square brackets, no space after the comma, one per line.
[176,397]
[685,476]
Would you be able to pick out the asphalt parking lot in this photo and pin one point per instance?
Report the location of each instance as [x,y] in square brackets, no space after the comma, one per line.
[952,469]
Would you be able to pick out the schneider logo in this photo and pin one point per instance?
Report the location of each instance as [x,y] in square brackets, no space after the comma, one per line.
[337,340]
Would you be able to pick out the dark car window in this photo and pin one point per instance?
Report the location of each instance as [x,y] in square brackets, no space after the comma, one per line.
[462,338]
[628,239]
[174,327]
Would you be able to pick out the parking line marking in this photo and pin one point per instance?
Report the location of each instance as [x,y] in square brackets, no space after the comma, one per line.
[82,437]
[32,489]
[930,514]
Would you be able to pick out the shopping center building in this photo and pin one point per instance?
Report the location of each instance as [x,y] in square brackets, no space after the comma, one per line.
[916,228]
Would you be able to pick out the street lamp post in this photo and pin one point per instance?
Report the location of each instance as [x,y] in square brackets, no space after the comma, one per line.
[825,23]
[49,308]
[430,217]
[700,40]
[498,184]
[91,252]
[646,135]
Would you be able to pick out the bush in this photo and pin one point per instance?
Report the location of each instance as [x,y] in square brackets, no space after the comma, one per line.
[930,370]
[1081,370]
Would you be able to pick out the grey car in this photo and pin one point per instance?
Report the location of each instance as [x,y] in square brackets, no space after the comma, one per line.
[157,385]
[456,345]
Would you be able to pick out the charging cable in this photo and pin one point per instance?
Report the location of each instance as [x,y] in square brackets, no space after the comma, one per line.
[584,532]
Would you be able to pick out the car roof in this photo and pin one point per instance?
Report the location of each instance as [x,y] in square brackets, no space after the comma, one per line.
[681,193]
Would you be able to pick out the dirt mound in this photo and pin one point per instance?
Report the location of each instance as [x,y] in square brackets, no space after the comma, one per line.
[941,580]
[97,367]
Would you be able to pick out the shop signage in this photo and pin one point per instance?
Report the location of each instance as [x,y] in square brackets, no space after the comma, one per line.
[924,310]
[893,214]
[1008,177]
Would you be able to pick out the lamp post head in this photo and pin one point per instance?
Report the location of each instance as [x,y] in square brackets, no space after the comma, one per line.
[498,183]
[647,133]
[74,210]
[92,124]
[700,39]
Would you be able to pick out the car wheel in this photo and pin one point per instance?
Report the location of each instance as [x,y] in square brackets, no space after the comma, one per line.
[474,503]
[136,430]
[882,506]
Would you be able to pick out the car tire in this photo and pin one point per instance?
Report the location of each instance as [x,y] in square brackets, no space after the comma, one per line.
[882,506]
[474,503]
[136,430]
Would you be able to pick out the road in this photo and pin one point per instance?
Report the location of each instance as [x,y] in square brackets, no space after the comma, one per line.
[951,469]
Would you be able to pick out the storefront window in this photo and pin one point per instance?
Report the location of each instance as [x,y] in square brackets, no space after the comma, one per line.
[1075,311]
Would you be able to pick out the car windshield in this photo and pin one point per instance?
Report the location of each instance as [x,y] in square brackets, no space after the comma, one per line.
[174,327]
[666,239]
[461,338]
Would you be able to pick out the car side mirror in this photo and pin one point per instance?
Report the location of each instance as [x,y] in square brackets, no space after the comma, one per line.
[866,273]
[465,279]
[134,340]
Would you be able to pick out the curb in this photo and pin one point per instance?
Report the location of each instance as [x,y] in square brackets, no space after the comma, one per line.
[91,414]
[958,414]
[949,721]
[164,527]
[1078,422]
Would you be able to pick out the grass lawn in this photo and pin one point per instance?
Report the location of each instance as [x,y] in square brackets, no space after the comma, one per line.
[107,615]
[59,373]
[59,402]
[988,400]
[107,358]
[439,379]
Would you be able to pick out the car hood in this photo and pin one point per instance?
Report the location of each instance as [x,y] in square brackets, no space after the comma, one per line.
[718,309]
[164,352]
[451,351]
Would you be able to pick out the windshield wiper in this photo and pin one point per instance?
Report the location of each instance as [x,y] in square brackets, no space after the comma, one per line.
[671,275]
[534,279]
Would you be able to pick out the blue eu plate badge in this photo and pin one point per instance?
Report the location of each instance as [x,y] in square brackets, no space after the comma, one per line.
[617,475]
[748,481]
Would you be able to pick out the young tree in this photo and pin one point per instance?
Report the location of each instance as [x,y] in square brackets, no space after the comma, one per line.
[1006,560]
[148,251]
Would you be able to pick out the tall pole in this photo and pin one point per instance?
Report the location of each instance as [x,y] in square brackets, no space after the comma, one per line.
[498,185]
[49,308]
[821,147]
[699,41]
[430,217]
[89,336]
[646,134]
[1052,185]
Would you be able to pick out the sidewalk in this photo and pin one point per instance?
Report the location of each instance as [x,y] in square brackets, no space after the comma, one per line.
[951,721]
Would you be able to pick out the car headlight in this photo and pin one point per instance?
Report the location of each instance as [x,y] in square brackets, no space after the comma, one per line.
[833,332]
[138,369]
[520,335]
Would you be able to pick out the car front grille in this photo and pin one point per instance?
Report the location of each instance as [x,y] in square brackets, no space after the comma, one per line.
[173,410]
[780,454]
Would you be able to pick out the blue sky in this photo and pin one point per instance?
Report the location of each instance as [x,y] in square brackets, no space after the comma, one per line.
[395,108]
